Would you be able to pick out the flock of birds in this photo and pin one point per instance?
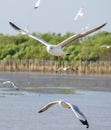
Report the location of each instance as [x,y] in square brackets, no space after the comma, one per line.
[57,50]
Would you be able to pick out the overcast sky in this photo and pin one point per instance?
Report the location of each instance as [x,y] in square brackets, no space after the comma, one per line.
[54,15]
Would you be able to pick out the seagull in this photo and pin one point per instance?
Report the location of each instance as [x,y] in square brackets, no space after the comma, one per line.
[79,13]
[37,4]
[73,107]
[56,50]
[106,46]
[9,83]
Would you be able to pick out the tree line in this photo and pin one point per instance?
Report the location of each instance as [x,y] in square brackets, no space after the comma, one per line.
[86,49]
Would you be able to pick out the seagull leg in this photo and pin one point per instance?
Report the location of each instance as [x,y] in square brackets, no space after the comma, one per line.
[60,61]
[59,58]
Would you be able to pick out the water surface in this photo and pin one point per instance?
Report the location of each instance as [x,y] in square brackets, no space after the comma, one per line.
[18,109]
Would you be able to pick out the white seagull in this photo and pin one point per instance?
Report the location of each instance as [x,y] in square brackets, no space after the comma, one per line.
[73,107]
[57,50]
[37,4]
[79,13]
[106,46]
[10,84]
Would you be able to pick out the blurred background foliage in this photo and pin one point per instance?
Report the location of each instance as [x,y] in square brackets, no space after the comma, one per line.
[87,48]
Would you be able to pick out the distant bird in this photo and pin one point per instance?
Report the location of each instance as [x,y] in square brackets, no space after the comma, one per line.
[79,13]
[57,50]
[106,46]
[85,28]
[73,107]
[37,4]
[10,84]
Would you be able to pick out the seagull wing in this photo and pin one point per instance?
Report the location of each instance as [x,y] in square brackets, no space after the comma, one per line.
[37,4]
[48,106]
[75,18]
[74,37]
[11,84]
[79,114]
[14,85]
[6,82]
[79,13]
[28,34]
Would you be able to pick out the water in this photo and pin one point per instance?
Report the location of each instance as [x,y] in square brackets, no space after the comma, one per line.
[37,82]
[18,109]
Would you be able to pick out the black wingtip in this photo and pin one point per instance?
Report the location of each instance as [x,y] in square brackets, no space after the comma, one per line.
[14,26]
[17,88]
[104,24]
[40,111]
[85,123]
[101,26]
[87,126]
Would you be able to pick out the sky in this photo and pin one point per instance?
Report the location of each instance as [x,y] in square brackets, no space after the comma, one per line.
[54,16]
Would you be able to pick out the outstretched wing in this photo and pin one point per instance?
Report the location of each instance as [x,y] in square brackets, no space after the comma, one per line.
[28,34]
[79,115]
[11,84]
[74,37]
[48,106]
[79,13]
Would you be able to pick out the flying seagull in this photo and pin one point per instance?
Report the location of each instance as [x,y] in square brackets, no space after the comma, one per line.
[10,84]
[106,46]
[37,4]
[73,107]
[79,13]
[56,50]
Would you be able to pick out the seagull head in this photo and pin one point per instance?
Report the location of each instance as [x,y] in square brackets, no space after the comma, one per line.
[50,47]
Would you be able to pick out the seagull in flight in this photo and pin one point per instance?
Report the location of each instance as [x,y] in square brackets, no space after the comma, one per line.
[79,13]
[37,4]
[106,46]
[57,50]
[10,84]
[73,107]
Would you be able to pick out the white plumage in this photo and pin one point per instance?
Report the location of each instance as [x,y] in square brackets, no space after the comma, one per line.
[57,50]
[37,4]
[79,13]
[106,46]
[9,84]
[73,107]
